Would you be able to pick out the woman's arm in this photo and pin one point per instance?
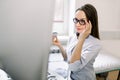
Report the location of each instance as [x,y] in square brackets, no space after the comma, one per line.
[63,52]
[57,43]
[76,55]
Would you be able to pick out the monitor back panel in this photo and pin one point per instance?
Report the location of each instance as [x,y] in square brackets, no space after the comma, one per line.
[25,37]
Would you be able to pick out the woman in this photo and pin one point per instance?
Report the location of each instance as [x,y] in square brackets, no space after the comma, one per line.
[84,46]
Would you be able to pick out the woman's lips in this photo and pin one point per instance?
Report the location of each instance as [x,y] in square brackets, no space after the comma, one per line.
[78,29]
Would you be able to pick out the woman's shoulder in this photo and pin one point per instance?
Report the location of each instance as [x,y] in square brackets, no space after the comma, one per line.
[93,41]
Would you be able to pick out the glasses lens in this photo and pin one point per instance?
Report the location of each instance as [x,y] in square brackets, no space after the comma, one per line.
[82,22]
[75,20]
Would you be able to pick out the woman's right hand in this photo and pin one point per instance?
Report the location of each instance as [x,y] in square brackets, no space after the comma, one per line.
[55,41]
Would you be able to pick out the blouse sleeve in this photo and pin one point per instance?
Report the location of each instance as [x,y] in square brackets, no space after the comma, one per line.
[88,54]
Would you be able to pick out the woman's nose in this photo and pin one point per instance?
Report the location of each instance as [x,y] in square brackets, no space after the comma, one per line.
[77,24]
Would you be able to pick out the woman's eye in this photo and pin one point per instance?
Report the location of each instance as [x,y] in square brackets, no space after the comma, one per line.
[82,22]
[75,20]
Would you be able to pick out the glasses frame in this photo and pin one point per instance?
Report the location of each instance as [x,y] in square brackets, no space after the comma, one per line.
[81,21]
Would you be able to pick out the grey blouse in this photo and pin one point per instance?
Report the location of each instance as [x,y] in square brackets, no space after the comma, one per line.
[83,68]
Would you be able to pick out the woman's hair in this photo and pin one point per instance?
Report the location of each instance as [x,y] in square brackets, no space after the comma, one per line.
[91,15]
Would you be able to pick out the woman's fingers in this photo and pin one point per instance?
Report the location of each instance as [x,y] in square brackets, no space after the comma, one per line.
[88,27]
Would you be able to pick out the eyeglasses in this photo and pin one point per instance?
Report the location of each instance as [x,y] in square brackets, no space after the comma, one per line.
[81,21]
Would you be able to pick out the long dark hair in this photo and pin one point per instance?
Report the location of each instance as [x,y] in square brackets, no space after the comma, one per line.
[91,15]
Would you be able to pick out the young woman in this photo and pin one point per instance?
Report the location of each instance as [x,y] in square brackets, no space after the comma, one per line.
[84,46]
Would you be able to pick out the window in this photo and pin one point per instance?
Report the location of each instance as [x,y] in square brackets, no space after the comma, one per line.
[63,15]
[58,22]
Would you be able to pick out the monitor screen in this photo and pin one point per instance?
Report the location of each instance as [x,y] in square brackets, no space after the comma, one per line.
[25,37]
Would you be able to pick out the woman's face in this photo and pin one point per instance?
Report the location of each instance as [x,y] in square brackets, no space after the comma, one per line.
[80,21]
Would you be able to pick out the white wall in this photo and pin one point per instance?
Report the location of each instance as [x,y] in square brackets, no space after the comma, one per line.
[111,47]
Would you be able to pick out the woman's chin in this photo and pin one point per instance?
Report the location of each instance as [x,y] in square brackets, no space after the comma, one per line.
[79,31]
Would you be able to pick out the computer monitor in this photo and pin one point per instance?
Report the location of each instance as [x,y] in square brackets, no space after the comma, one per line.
[25,37]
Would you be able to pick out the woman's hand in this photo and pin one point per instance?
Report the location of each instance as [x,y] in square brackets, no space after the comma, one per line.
[87,30]
[55,41]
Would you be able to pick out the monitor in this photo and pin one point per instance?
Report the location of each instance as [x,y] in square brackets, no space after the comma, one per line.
[25,37]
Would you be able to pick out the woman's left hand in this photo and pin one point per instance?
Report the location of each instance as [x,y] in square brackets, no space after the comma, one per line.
[87,30]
